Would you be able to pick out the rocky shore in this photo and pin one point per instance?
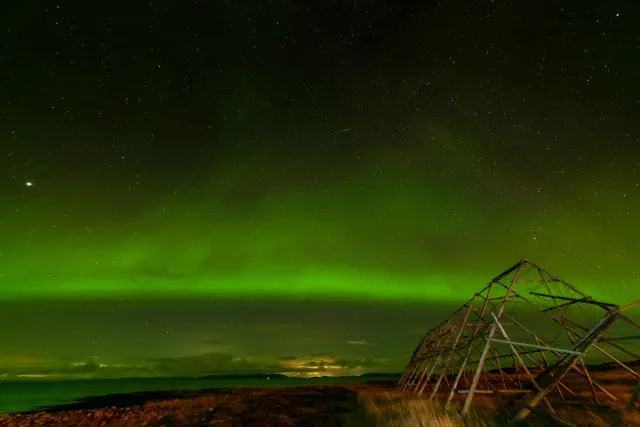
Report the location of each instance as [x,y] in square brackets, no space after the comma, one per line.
[311,406]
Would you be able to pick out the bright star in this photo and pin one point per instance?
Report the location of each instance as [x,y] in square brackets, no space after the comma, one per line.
[28,184]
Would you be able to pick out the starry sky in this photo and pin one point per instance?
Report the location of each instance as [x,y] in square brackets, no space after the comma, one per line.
[298,186]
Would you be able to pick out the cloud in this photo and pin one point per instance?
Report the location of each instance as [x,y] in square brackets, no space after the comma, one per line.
[22,360]
[223,363]
[286,358]
[315,364]
[361,363]
[63,368]
[89,366]
[356,342]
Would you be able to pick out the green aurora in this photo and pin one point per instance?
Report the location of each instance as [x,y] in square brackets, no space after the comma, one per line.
[389,230]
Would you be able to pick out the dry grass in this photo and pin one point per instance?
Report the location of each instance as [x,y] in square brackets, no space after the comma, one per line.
[397,409]
[390,408]
[394,408]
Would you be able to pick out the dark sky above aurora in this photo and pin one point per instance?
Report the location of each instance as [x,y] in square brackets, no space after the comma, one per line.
[301,186]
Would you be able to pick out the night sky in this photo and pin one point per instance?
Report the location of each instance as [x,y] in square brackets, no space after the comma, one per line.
[298,186]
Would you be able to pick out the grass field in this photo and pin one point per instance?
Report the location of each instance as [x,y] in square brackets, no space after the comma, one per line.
[575,403]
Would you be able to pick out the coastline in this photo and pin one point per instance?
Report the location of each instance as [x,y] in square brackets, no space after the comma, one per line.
[30,396]
[312,405]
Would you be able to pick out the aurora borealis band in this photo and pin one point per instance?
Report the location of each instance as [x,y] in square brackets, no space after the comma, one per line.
[301,187]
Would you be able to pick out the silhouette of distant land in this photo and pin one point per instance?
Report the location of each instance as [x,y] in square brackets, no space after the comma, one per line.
[245,376]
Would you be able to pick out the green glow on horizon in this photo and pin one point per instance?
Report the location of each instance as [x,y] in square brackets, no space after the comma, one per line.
[325,284]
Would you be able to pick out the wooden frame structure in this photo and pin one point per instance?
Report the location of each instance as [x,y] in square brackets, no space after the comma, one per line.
[519,338]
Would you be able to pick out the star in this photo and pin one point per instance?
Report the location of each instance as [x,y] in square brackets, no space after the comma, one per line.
[28,184]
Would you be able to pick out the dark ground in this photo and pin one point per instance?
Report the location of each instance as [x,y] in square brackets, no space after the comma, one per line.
[312,406]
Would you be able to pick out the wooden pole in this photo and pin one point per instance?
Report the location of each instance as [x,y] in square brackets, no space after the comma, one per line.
[476,376]
[415,358]
[563,324]
[412,374]
[411,364]
[407,374]
[517,355]
[433,367]
[566,363]
[586,371]
[470,346]
[418,358]
[453,349]
[416,368]
[635,399]
[485,351]
[630,306]
[434,360]
[604,352]
[415,372]
[421,375]
[524,344]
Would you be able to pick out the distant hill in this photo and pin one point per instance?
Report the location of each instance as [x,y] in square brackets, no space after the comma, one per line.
[613,365]
[281,376]
[244,376]
[381,374]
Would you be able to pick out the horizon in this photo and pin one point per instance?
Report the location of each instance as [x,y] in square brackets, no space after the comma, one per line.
[52,378]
